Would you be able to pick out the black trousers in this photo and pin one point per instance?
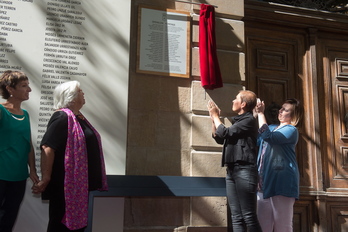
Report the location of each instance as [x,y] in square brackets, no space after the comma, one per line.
[11,196]
[241,187]
[56,212]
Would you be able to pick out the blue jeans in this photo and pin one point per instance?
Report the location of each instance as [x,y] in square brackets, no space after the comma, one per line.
[241,188]
[11,196]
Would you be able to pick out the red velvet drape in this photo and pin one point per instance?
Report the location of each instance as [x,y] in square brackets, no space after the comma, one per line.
[209,64]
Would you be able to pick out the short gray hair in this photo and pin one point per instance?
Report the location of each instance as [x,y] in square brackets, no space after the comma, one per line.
[64,94]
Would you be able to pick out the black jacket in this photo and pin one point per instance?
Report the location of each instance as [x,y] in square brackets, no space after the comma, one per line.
[239,140]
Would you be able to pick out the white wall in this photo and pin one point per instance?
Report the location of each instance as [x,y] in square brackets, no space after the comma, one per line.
[99,32]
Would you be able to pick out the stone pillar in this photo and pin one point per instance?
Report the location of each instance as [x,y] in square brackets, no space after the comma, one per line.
[205,153]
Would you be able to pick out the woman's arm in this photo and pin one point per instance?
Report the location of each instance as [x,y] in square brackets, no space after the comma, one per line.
[214,113]
[47,159]
[285,135]
[32,166]
[260,109]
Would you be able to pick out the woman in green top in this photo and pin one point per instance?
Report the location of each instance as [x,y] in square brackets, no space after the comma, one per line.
[16,150]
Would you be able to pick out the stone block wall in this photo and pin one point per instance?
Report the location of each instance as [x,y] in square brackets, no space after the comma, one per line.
[169,129]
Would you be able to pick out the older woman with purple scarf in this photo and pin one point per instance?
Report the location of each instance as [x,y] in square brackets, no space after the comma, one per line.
[72,162]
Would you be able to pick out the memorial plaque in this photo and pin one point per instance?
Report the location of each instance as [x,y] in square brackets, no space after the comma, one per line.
[163,42]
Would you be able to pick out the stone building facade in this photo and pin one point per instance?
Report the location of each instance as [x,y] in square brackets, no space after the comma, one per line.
[275,50]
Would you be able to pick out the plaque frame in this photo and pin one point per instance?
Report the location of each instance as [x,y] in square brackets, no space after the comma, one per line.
[181,22]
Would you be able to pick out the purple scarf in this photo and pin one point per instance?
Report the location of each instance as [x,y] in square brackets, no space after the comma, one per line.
[76,174]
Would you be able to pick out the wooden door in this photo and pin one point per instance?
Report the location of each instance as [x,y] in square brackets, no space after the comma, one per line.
[312,67]
[293,52]
[275,63]
[275,72]
[334,104]
[272,65]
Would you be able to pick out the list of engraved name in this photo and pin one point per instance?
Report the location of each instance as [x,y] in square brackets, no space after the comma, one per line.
[62,51]
[7,28]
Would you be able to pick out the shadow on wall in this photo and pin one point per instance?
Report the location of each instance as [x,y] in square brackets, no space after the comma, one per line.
[160,108]
[105,62]
[160,125]
[229,48]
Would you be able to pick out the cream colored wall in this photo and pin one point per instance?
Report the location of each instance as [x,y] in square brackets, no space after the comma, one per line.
[169,130]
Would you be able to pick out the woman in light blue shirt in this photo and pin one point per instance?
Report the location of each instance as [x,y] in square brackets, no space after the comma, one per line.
[277,166]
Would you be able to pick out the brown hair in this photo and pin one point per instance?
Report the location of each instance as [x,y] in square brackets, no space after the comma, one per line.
[10,78]
[249,98]
[297,111]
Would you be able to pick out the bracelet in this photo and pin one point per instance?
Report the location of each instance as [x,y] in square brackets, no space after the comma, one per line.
[263,128]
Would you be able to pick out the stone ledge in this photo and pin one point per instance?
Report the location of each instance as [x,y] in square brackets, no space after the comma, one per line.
[200,229]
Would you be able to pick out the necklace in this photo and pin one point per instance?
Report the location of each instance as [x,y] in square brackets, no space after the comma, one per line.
[80,116]
[19,119]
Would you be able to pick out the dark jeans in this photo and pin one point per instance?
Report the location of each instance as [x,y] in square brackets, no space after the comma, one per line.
[11,196]
[241,186]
